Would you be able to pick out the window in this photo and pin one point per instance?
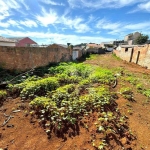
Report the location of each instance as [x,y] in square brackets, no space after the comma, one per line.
[126,49]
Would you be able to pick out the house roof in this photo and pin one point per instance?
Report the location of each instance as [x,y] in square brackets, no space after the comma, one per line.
[3,39]
[128,46]
[107,43]
[77,48]
[17,38]
[94,45]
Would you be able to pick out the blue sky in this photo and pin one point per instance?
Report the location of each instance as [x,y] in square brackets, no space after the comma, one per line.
[73,21]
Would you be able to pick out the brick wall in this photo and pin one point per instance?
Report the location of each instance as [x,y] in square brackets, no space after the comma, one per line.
[24,58]
[140,55]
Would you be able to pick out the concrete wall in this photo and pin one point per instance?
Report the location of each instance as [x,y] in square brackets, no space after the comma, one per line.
[24,58]
[138,54]
[7,44]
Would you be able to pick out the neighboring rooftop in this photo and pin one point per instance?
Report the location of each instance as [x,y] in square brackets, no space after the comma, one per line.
[94,45]
[16,38]
[3,39]
[77,47]
[128,46]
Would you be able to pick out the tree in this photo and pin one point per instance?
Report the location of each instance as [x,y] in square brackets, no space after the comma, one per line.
[141,39]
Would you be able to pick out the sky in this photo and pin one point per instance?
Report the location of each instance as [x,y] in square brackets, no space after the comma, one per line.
[73,21]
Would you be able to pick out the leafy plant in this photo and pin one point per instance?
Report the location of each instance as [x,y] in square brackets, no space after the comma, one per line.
[102,75]
[147,93]
[2,94]
[127,93]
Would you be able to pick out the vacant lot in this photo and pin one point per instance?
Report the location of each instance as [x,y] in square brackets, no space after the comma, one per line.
[101,103]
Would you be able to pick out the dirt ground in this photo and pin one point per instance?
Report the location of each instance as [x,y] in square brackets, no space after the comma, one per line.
[24,133]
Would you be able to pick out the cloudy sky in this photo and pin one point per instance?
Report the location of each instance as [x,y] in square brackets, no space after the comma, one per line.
[74,21]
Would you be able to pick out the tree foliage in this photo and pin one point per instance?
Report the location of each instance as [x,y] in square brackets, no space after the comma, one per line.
[141,39]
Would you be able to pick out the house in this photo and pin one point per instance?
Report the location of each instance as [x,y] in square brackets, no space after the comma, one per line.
[94,48]
[24,42]
[6,42]
[130,38]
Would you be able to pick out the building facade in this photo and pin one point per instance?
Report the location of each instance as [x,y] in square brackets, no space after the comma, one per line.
[6,42]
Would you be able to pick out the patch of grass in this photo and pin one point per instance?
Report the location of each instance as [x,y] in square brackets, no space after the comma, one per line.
[116,57]
[91,57]
[132,79]
[127,93]
[146,92]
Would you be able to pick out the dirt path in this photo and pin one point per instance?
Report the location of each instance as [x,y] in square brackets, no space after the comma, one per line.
[22,133]
[139,121]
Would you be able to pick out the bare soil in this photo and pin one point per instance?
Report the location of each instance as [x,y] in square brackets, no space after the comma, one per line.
[23,133]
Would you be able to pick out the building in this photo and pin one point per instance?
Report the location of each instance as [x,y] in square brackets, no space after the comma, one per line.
[130,38]
[93,48]
[6,42]
[77,52]
[24,42]
[138,54]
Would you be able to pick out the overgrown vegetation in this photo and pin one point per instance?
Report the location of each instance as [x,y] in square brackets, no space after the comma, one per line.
[64,97]
[3,95]
[68,94]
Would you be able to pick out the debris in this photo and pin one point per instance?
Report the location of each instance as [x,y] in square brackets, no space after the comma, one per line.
[10,126]
[15,111]
[6,121]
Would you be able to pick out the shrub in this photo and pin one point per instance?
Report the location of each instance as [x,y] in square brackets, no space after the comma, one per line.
[2,94]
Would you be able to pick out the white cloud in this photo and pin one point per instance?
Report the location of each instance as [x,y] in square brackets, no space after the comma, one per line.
[137,26]
[78,24]
[120,29]
[103,3]
[51,2]
[47,18]
[52,18]
[24,4]
[28,23]
[141,7]
[144,6]
[4,24]
[54,37]
[12,22]
[107,25]
[7,7]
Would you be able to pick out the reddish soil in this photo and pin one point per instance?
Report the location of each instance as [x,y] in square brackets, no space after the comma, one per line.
[24,133]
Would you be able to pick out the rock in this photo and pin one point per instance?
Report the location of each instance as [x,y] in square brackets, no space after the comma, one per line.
[123,140]
[10,126]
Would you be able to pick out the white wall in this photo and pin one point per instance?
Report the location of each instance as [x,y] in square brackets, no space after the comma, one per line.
[75,55]
[7,44]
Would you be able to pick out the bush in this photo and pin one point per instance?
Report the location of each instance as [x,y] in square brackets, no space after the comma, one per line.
[2,94]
